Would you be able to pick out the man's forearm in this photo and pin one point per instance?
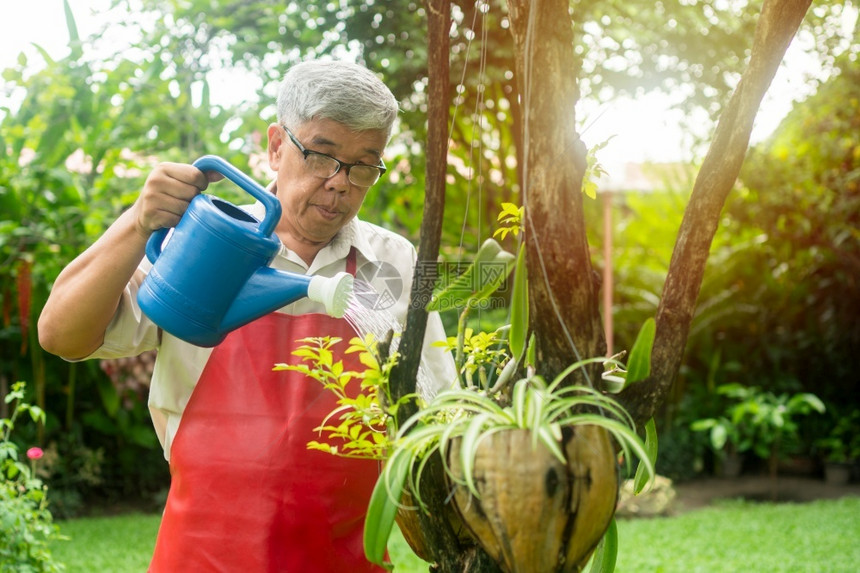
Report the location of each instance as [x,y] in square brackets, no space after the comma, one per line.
[85,295]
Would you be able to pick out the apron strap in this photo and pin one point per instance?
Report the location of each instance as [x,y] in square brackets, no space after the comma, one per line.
[350,261]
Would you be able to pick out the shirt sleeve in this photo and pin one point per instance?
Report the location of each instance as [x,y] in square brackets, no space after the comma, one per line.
[130,332]
[437,363]
[380,248]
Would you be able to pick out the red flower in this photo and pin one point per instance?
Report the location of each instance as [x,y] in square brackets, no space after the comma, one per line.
[35,453]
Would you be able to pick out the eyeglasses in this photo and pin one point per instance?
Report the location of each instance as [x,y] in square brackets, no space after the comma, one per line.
[325,166]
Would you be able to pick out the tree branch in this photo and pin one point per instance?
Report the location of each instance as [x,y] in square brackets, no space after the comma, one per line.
[442,541]
[777,25]
[405,373]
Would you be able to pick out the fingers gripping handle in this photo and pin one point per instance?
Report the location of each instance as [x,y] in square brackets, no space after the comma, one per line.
[215,163]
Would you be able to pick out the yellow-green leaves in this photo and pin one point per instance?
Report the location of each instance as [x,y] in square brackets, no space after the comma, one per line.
[356,428]
[510,220]
[593,170]
[480,355]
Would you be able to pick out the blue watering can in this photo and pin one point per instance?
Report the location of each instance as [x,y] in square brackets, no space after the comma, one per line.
[213,275]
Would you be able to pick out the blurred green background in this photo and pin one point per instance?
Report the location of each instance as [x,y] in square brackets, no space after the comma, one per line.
[81,127]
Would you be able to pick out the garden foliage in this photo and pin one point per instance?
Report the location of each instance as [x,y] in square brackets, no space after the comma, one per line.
[81,132]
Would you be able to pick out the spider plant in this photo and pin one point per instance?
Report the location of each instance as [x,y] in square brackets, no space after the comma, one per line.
[469,416]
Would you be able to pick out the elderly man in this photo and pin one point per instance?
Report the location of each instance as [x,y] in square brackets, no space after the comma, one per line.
[246,494]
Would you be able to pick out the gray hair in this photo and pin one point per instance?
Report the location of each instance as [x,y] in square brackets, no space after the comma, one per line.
[344,92]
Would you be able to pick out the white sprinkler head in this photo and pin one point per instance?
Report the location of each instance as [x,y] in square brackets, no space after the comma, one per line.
[333,292]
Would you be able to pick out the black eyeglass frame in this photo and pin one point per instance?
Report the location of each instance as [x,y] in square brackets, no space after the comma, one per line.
[340,164]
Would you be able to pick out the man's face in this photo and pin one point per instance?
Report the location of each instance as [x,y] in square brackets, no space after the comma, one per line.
[314,208]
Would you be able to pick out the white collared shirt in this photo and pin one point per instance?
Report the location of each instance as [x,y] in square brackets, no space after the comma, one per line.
[180,364]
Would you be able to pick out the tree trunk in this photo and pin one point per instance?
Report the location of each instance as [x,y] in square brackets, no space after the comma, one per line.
[562,284]
[776,27]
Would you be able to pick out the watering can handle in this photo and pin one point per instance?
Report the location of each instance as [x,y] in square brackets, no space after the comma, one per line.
[153,245]
[269,201]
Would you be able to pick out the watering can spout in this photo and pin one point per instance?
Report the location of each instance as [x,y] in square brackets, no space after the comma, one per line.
[269,289]
[332,292]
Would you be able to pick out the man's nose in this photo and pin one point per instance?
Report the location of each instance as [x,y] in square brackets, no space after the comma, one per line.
[338,182]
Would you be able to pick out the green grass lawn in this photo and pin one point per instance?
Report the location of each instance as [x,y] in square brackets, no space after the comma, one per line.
[823,536]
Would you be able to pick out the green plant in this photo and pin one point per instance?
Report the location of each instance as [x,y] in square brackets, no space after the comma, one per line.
[353,429]
[483,356]
[510,221]
[358,427]
[540,407]
[363,422]
[469,290]
[757,421]
[491,400]
[75,144]
[72,469]
[468,416]
[834,449]
[842,443]
[681,453]
[26,524]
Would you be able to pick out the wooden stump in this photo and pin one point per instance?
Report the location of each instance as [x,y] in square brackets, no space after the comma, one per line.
[535,514]
[409,521]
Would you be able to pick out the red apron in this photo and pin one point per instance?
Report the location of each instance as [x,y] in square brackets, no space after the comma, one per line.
[246,494]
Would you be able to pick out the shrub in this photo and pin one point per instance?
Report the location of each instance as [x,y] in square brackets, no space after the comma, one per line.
[757,421]
[26,525]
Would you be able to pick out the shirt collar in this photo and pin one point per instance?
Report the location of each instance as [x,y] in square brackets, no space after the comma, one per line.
[350,235]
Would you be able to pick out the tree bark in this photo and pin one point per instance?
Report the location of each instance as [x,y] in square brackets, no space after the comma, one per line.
[562,284]
[777,25]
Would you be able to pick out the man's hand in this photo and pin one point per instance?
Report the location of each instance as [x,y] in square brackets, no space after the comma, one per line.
[166,195]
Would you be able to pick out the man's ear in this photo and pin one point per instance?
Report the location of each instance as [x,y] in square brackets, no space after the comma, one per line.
[276,145]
